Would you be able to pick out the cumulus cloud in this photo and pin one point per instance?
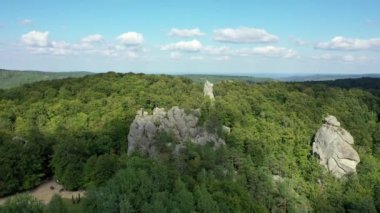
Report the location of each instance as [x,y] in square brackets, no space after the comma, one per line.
[184,46]
[244,35]
[92,38]
[185,33]
[350,44]
[38,43]
[61,48]
[131,38]
[26,22]
[35,38]
[343,58]
[268,51]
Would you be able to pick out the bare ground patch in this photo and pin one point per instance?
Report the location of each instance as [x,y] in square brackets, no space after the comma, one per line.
[45,192]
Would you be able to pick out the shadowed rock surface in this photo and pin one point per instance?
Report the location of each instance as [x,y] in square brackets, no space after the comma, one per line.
[184,127]
[332,144]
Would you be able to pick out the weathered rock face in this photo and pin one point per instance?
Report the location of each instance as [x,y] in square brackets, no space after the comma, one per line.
[332,144]
[207,90]
[184,127]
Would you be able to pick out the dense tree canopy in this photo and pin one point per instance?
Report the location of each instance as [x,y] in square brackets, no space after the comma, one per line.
[76,130]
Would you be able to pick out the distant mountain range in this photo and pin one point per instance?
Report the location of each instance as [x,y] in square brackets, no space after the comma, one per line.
[276,77]
[199,78]
[14,78]
[301,78]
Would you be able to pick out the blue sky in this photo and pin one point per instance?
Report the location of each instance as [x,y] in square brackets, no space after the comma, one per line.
[225,37]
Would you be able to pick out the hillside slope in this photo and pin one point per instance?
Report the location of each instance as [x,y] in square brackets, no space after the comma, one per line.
[12,78]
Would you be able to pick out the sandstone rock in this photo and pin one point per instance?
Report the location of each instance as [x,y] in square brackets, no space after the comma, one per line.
[332,144]
[184,127]
[207,90]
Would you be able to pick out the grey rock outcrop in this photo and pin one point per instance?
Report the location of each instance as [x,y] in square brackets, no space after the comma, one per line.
[184,127]
[207,90]
[332,144]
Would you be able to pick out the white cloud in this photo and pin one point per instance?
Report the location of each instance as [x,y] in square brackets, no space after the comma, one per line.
[268,51]
[185,33]
[350,44]
[38,43]
[35,38]
[131,38]
[56,48]
[184,46]
[92,38]
[217,50]
[342,58]
[26,22]
[61,48]
[224,53]
[244,35]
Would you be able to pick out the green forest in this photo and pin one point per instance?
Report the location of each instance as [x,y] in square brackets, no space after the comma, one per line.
[75,130]
[13,78]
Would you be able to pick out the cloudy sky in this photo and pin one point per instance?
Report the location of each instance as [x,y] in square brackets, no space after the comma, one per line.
[198,36]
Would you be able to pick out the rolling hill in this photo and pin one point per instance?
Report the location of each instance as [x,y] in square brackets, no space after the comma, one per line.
[13,78]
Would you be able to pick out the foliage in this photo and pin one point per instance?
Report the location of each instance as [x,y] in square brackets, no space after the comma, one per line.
[22,203]
[99,169]
[76,129]
[56,205]
[24,162]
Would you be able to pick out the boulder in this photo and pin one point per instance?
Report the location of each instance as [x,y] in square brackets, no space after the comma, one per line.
[183,127]
[332,144]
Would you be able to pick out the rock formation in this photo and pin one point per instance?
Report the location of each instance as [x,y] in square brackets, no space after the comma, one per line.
[332,144]
[184,127]
[207,90]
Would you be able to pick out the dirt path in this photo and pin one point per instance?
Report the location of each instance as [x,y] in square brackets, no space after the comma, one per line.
[45,192]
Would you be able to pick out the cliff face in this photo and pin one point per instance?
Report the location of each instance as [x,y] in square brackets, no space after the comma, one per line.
[332,144]
[184,127]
